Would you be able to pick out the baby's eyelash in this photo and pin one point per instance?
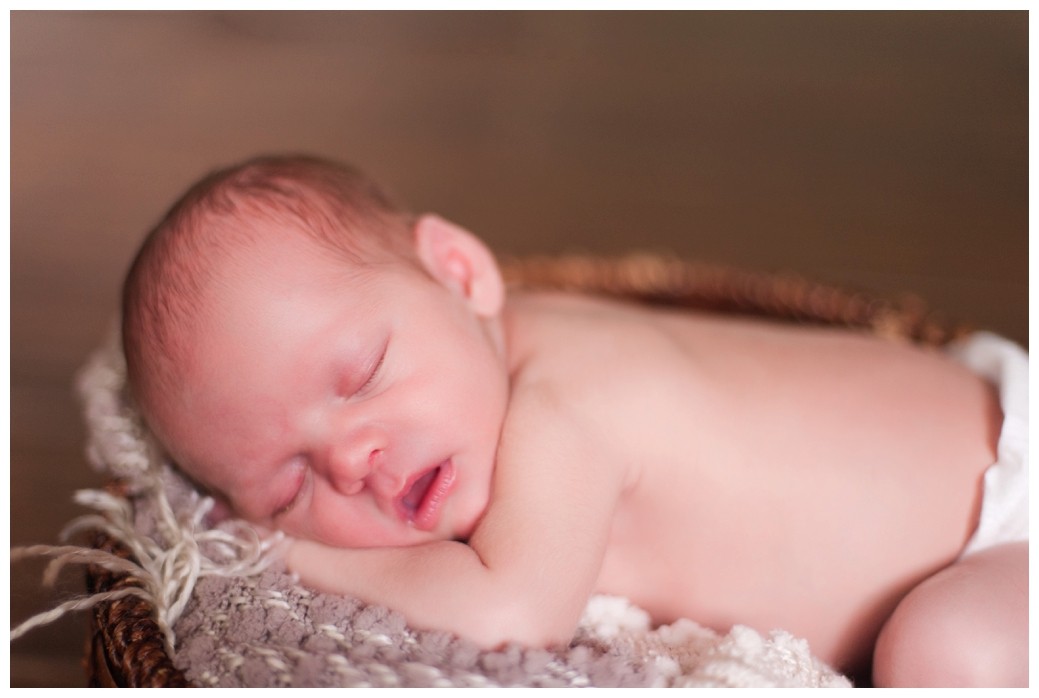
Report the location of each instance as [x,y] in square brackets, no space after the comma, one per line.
[281,511]
[375,372]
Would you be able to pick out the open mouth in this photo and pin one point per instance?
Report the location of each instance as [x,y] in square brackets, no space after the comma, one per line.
[420,501]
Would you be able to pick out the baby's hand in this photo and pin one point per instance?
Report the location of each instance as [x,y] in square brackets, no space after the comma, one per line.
[319,566]
[292,553]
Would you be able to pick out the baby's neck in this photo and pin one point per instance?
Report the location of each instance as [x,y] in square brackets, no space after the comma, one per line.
[514,330]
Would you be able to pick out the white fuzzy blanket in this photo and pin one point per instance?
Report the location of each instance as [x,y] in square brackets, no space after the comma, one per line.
[234,618]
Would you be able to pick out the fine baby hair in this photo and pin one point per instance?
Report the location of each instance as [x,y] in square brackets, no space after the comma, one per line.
[327,203]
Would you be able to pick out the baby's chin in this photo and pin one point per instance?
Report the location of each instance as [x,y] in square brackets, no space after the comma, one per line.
[466,524]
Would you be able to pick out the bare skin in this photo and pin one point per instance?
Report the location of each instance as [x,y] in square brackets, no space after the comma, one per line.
[965,626]
[806,492]
[721,470]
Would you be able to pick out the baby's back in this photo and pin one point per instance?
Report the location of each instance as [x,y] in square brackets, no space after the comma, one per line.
[778,476]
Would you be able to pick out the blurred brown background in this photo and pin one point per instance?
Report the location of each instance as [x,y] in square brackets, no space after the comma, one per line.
[885,151]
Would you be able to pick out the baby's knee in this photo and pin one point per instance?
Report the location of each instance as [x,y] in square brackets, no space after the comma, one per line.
[954,630]
[919,648]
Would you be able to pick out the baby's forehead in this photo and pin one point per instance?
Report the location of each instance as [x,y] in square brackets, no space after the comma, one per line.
[239,266]
[263,292]
[266,236]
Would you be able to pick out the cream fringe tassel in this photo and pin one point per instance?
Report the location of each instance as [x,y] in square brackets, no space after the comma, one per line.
[167,569]
[182,550]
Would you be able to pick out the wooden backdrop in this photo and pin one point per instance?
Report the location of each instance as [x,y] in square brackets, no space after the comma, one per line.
[885,151]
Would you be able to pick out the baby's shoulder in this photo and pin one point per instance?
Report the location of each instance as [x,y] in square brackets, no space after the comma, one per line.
[558,323]
[578,338]
[598,359]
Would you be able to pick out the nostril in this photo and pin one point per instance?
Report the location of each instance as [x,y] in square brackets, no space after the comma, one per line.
[375,459]
[348,469]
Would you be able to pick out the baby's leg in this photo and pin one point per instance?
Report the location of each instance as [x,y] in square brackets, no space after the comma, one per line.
[965,626]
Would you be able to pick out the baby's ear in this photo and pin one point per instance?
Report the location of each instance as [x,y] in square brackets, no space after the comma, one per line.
[460,261]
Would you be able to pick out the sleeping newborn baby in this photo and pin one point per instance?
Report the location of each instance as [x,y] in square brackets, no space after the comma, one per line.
[484,460]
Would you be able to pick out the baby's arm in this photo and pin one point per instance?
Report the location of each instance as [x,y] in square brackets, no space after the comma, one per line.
[532,563]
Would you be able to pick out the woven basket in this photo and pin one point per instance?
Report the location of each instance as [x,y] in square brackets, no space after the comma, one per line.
[126,647]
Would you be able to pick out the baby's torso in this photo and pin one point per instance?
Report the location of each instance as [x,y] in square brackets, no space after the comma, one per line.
[778,476]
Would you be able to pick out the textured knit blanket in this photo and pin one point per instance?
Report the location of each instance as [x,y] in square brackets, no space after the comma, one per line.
[233,617]
[264,630]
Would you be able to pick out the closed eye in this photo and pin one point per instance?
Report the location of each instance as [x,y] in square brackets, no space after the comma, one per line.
[374,372]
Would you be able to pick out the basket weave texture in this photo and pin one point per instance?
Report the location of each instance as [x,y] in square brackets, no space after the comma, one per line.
[126,646]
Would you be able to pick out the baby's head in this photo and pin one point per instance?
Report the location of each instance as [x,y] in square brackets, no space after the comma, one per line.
[321,360]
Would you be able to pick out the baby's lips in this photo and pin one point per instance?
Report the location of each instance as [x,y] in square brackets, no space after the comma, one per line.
[419,487]
[419,502]
[428,515]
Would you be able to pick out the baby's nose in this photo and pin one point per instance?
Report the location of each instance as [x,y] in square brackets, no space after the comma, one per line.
[350,465]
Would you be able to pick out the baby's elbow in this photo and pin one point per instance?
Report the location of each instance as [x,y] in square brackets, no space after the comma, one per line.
[520,624]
